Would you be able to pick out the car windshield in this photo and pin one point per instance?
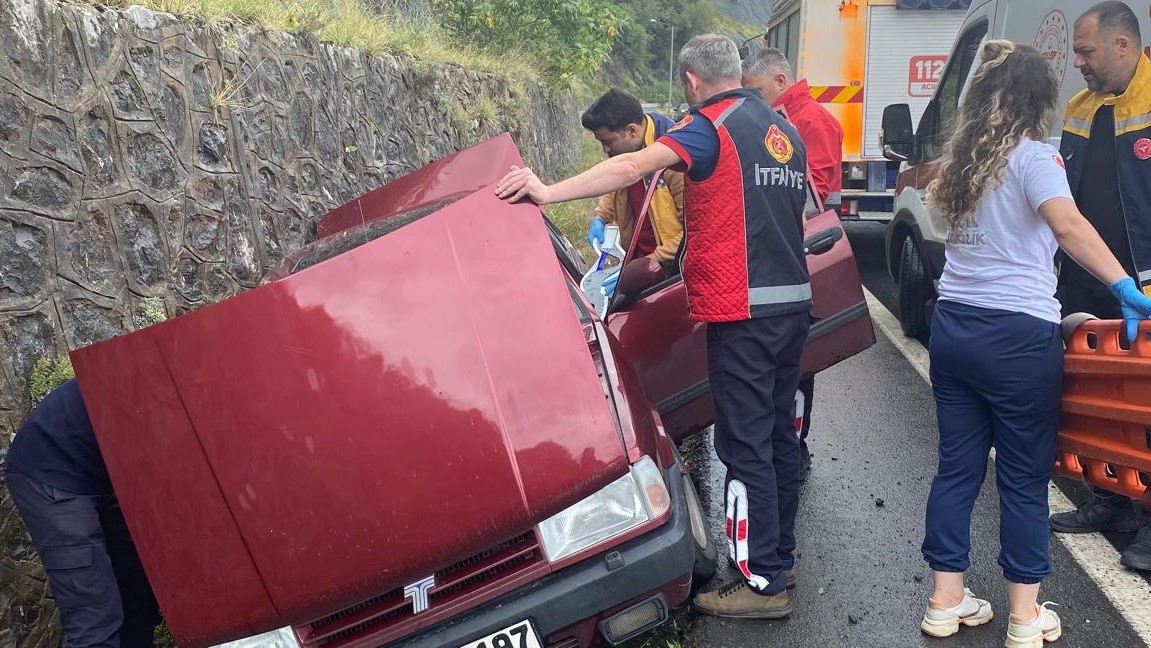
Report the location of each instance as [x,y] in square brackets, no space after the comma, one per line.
[353,238]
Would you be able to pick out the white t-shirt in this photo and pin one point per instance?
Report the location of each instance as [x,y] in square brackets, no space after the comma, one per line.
[1005,259]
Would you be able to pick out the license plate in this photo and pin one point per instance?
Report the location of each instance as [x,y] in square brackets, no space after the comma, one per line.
[520,635]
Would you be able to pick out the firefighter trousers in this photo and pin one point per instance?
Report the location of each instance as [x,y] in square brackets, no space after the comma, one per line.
[753,366]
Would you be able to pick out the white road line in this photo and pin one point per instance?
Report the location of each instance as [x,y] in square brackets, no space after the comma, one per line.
[913,351]
[1127,591]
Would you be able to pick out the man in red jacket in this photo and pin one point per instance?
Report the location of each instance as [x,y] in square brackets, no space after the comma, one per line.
[769,72]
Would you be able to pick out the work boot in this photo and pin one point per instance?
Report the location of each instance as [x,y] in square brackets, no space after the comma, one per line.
[970,612]
[739,601]
[1115,513]
[1045,628]
[1138,554]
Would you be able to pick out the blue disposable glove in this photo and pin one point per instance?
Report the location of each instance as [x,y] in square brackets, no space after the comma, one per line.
[609,283]
[595,231]
[1134,304]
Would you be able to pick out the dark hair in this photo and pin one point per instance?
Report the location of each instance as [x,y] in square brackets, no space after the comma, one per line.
[614,111]
[1012,96]
[1115,16]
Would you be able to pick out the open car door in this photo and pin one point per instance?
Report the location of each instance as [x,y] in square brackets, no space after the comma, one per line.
[668,350]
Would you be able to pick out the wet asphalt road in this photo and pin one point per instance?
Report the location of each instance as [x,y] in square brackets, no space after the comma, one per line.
[862,581]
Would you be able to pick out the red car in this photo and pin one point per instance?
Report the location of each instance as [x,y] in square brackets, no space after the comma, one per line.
[418,433]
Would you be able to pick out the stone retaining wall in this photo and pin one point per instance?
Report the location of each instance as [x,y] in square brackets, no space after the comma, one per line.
[147,158]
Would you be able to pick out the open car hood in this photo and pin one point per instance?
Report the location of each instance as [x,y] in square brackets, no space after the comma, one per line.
[350,428]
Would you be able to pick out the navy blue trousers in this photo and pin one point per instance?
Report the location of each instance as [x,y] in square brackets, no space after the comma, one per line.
[997,377]
[753,366]
[93,569]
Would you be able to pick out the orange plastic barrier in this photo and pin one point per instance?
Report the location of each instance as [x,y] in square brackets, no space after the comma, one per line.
[1105,427]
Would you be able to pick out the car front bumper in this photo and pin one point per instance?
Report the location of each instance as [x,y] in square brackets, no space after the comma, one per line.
[583,591]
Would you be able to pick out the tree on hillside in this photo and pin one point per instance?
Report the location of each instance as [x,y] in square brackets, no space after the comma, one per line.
[566,38]
[639,57]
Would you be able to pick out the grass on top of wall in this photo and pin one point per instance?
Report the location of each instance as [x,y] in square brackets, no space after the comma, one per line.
[343,22]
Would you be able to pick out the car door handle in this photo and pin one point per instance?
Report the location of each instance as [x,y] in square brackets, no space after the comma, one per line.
[821,242]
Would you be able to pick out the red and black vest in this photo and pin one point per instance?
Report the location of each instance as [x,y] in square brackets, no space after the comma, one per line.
[744,223]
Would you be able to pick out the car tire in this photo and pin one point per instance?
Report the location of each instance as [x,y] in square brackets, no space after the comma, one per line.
[915,291]
[706,552]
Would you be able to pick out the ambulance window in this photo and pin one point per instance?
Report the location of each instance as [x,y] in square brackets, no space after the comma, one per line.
[792,50]
[951,87]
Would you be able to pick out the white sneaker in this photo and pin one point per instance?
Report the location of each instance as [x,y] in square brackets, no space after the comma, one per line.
[1045,628]
[970,612]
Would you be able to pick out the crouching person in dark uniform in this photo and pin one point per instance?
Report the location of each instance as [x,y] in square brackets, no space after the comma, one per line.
[60,486]
[745,273]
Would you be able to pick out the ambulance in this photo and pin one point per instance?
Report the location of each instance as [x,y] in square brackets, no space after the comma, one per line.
[914,239]
[858,56]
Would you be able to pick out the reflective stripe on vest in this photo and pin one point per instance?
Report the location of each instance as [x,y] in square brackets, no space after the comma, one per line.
[778,294]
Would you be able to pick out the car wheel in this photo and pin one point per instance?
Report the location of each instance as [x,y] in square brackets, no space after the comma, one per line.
[706,552]
[915,291]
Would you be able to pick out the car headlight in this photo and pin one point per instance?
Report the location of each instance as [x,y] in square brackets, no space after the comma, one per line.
[631,500]
[282,638]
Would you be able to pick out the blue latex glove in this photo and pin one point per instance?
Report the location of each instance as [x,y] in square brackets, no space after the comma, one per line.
[609,283]
[595,231]
[1134,304]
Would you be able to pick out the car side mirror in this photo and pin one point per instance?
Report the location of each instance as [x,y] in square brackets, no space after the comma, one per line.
[897,137]
[823,241]
[639,274]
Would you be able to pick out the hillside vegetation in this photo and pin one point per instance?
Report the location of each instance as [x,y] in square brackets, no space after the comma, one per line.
[581,45]
[639,56]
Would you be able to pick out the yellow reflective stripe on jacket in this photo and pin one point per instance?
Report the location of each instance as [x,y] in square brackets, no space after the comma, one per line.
[1130,107]
[665,211]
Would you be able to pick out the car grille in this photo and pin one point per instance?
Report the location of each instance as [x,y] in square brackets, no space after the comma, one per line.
[389,616]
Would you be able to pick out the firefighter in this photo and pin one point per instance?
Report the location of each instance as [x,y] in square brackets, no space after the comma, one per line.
[746,277]
[60,486]
[1107,151]
[769,72]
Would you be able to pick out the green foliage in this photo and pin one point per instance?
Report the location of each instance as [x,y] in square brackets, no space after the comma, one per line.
[587,45]
[640,56]
[566,38]
[462,122]
[151,311]
[486,111]
[47,374]
[161,638]
[369,25]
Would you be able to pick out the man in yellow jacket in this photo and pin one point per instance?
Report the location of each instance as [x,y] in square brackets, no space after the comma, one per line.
[1106,148]
[619,124]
